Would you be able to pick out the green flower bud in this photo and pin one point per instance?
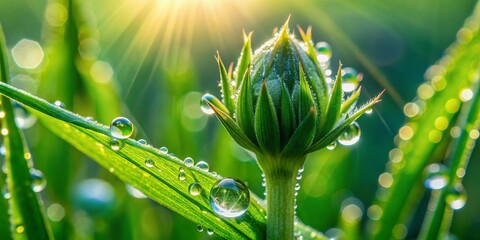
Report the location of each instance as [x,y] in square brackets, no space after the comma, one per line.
[278,102]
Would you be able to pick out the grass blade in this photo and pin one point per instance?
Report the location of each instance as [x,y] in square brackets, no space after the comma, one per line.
[27,213]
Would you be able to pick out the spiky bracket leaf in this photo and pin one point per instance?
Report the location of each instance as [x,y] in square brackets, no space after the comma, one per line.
[228,122]
[226,86]
[245,114]
[351,101]
[287,116]
[245,58]
[303,137]
[266,123]
[335,103]
[343,125]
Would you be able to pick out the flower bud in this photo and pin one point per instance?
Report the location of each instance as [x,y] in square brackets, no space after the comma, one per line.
[278,101]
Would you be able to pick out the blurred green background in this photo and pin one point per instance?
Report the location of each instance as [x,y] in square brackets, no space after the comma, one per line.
[151,60]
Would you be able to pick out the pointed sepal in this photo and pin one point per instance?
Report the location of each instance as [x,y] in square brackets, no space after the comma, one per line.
[226,86]
[266,123]
[303,137]
[335,103]
[245,108]
[245,58]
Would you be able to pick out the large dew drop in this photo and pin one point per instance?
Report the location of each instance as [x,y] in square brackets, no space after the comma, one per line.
[202,166]
[351,135]
[229,198]
[436,176]
[188,161]
[121,128]
[204,105]
[456,197]
[38,180]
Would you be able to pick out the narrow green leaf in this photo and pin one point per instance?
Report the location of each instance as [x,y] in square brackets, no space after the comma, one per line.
[235,131]
[5,230]
[161,186]
[266,122]
[303,137]
[335,103]
[350,102]
[226,86]
[27,212]
[343,125]
[439,216]
[456,74]
[287,116]
[245,58]
[245,114]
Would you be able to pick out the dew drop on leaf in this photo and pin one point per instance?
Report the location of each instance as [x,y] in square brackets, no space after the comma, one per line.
[142,141]
[149,163]
[200,228]
[5,193]
[164,150]
[181,176]
[229,197]
[59,104]
[195,189]
[38,180]
[202,165]
[23,118]
[121,128]
[116,145]
[456,197]
[351,135]
[210,231]
[436,176]
[188,161]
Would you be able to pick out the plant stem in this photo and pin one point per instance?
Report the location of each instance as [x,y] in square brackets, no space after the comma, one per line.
[280,178]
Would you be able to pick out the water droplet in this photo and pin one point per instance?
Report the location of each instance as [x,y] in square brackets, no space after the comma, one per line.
[210,231]
[436,176]
[195,189]
[200,228]
[121,128]
[149,163]
[5,193]
[181,176]
[59,104]
[164,150]
[349,79]
[204,105]
[134,192]
[142,141]
[38,180]
[297,186]
[299,176]
[351,135]
[324,52]
[181,169]
[202,165]
[188,161]
[369,111]
[332,145]
[456,197]
[116,145]
[229,197]
[23,117]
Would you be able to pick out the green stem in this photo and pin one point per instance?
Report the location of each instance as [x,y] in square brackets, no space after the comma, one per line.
[280,176]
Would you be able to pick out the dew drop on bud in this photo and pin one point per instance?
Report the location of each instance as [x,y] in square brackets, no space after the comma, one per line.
[116,145]
[229,197]
[195,189]
[456,197]
[436,176]
[204,105]
[38,180]
[202,166]
[149,163]
[351,135]
[188,161]
[332,145]
[349,79]
[121,128]
[369,111]
[324,52]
